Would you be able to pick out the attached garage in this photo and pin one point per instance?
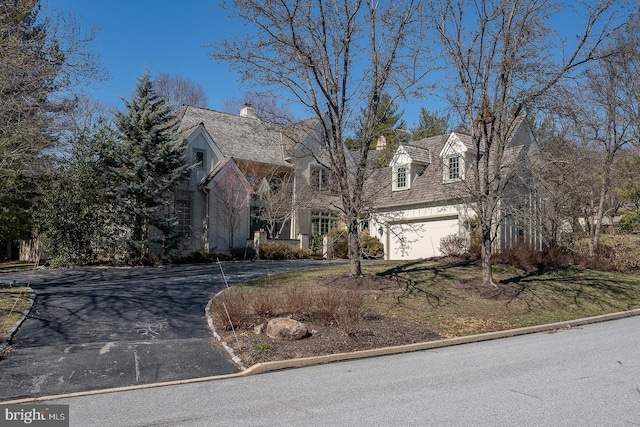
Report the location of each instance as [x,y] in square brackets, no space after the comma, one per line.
[419,238]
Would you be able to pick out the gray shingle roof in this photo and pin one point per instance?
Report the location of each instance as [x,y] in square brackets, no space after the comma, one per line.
[418,154]
[429,188]
[239,137]
[425,188]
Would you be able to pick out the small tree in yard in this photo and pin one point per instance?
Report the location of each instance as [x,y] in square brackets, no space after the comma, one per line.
[233,192]
[147,166]
[505,58]
[274,196]
[336,59]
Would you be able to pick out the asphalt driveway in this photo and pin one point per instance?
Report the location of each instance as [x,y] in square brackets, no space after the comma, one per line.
[98,328]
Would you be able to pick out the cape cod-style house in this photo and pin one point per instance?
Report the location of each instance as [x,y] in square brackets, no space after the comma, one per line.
[424,198]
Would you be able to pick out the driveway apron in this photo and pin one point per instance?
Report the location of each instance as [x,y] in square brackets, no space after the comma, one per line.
[99,328]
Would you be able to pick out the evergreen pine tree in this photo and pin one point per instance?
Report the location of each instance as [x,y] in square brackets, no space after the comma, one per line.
[391,127]
[430,124]
[148,165]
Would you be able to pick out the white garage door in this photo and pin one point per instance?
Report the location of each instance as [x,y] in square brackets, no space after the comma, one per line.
[419,239]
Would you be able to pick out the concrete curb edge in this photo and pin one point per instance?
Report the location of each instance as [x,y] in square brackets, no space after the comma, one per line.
[264,367]
[385,351]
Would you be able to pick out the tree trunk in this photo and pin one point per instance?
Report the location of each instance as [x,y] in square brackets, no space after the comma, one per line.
[487,272]
[355,268]
[597,226]
[606,184]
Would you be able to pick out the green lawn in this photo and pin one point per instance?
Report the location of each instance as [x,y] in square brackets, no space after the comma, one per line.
[448,297]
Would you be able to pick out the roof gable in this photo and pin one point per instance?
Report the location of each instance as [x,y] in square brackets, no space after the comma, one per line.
[456,145]
[200,130]
[221,172]
[240,137]
[409,154]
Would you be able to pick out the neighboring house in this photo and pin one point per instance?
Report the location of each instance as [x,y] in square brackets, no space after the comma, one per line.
[424,198]
[234,157]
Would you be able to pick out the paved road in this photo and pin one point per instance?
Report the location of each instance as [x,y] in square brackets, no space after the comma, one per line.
[100,328]
[587,376]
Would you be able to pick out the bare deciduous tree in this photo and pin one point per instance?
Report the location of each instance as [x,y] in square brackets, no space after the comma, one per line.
[274,198]
[505,57]
[336,59]
[598,109]
[266,106]
[233,193]
[178,91]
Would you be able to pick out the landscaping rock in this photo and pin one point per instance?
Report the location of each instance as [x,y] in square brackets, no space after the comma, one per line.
[286,329]
[258,329]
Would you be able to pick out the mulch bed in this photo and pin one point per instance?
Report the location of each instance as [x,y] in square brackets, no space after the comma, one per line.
[371,332]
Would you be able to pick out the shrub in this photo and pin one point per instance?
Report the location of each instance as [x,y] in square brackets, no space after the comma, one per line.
[276,251]
[342,307]
[328,303]
[630,222]
[243,253]
[143,261]
[340,243]
[299,302]
[351,311]
[196,257]
[301,253]
[527,259]
[454,245]
[315,244]
[230,308]
[371,246]
[264,303]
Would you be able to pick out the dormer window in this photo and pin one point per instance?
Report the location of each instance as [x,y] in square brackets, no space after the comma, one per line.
[401,178]
[453,156]
[453,169]
[401,173]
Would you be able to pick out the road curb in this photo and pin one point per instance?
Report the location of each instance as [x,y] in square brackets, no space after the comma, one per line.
[260,368]
[263,367]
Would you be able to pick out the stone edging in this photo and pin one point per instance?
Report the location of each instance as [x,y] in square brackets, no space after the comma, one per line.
[7,338]
[218,338]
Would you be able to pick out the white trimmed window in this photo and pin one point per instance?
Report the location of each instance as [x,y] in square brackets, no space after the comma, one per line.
[453,168]
[401,178]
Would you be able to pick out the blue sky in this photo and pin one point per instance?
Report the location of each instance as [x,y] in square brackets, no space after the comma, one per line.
[171,37]
[165,36]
